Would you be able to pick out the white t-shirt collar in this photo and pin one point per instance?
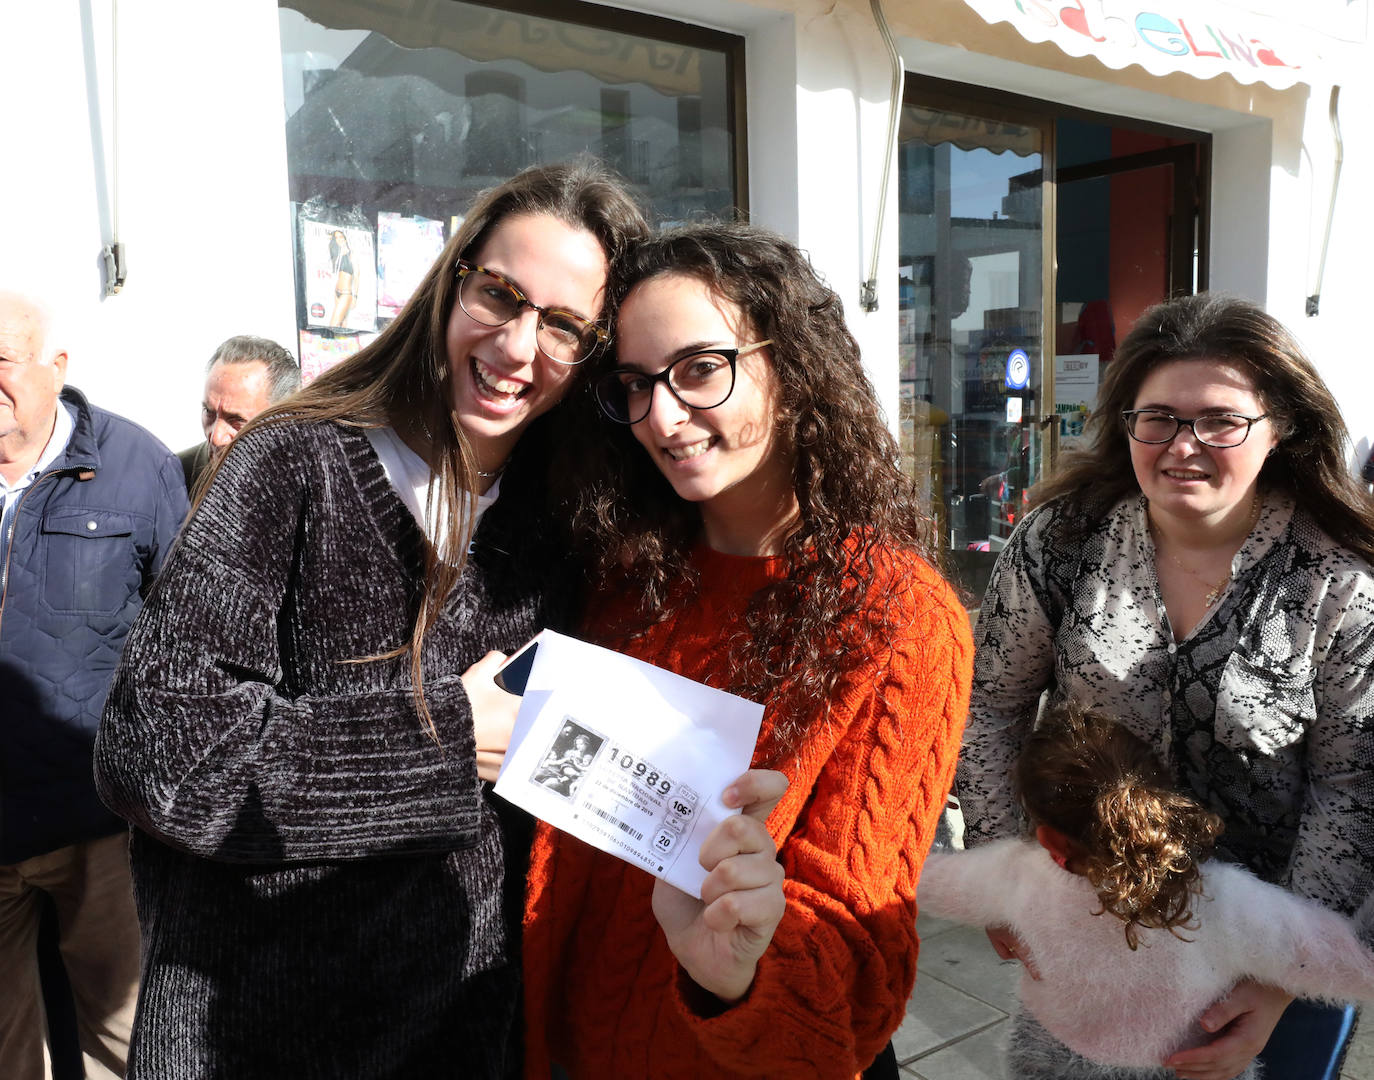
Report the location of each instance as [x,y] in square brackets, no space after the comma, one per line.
[410,475]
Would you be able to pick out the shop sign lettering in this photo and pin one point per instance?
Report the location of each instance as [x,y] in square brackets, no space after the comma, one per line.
[1162,27]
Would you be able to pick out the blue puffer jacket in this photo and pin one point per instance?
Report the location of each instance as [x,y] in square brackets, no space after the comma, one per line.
[89,537]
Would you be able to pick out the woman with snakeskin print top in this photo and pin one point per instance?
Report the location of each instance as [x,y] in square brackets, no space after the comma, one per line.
[1203,571]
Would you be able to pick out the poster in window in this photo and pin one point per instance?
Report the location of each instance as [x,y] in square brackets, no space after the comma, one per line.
[406,249]
[321,351]
[1075,396]
[340,276]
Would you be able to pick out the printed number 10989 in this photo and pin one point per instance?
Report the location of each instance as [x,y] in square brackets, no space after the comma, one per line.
[642,771]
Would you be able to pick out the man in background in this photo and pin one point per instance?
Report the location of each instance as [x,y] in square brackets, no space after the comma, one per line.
[245,375]
[89,506]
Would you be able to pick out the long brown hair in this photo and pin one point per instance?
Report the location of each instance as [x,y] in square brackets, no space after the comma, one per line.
[402,378]
[1139,840]
[854,499]
[1309,462]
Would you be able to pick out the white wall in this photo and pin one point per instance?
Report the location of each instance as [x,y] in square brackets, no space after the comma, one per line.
[1338,337]
[844,82]
[773,117]
[202,199]
[1240,207]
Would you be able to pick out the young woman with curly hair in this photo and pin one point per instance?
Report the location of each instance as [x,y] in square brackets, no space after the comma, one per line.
[1130,930]
[755,532]
[1203,572]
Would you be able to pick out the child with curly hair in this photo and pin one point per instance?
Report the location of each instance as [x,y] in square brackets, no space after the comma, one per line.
[1129,931]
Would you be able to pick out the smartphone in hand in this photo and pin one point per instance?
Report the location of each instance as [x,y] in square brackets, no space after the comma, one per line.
[515,672]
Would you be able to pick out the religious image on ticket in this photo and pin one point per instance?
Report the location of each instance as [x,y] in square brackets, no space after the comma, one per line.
[569,757]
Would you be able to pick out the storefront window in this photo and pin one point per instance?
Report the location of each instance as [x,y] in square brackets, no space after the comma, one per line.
[398,113]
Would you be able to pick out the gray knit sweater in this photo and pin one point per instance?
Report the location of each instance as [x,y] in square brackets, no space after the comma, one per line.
[319,883]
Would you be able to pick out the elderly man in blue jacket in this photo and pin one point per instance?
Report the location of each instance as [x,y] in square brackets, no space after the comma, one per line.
[91,504]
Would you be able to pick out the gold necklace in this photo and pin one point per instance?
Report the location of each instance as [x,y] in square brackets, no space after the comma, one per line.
[483,474]
[1213,593]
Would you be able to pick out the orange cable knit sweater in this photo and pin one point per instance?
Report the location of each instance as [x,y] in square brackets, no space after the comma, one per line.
[604,995]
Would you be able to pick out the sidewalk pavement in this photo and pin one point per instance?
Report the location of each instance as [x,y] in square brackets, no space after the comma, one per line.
[963,997]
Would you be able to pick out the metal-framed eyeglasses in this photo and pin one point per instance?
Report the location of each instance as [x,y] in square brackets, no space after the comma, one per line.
[492,299]
[1154,427]
[700,380]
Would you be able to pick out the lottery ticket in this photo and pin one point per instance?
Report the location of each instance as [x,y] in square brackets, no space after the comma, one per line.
[628,757]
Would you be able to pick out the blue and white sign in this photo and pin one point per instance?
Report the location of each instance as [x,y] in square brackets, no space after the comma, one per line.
[1018,369]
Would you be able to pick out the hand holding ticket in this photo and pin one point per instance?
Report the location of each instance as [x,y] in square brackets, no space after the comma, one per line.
[719,938]
[626,756]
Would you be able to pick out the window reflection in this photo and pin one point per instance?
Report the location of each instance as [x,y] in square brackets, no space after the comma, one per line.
[970,294]
[408,109]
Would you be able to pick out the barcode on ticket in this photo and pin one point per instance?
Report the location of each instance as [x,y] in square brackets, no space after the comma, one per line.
[616,822]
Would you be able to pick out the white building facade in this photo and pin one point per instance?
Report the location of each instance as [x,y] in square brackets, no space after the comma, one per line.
[1035,200]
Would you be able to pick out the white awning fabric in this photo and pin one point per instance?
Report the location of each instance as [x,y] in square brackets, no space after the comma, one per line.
[1277,42]
[966,131]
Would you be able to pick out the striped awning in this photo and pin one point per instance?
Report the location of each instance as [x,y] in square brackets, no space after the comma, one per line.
[1277,42]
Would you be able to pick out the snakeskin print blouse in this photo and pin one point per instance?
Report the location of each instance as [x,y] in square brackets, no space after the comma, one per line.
[1265,712]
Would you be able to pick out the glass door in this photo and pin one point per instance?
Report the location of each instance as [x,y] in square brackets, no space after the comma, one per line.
[1129,234]
[974,209]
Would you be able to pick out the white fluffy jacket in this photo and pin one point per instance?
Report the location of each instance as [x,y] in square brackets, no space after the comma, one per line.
[1135,1008]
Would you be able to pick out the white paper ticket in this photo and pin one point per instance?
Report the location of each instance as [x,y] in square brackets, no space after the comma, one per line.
[627,757]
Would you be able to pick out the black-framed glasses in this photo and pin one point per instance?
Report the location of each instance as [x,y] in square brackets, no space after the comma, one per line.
[700,380]
[1153,426]
[492,299]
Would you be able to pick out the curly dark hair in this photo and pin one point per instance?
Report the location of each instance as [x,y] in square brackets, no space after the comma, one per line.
[1309,462]
[1140,841]
[853,499]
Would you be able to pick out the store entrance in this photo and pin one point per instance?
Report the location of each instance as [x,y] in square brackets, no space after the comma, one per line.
[1031,238]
